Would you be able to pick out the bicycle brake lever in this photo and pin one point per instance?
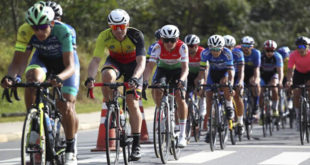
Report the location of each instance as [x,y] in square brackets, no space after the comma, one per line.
[15,94]
[6,94]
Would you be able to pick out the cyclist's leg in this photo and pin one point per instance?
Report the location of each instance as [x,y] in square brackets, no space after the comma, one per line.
[255,94]
[109,73]
[275,95]
[35,72]
[228,98]
[298,79]
[159,77]
[239,102]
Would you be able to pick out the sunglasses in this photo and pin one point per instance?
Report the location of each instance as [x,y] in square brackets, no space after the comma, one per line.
[246,46]
[191,46]
[215,49]
[122,27]
[40,27]
[269,50]
[172,40]
[301,46]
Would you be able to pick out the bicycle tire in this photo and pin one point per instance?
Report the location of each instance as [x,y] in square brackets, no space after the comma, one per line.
[155,133]
[125,139]
[59,141]
[306,121]
[213,125]
[199,129]
[232,132]
[164,132]
[36,152]
[112,136]
[291,117]
[223,128]
[301,123]
[248,119]
[189,122]
[263,119]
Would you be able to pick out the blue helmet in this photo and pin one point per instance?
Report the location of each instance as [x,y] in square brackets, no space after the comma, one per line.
[284,51]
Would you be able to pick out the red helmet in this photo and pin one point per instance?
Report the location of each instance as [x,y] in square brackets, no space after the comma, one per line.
[270,45]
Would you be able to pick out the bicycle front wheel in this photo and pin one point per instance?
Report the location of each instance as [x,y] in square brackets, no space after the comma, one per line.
[164,132]
[213,125]
[155,132]
[112,136]
[223,129]
[189,122]
[33,144]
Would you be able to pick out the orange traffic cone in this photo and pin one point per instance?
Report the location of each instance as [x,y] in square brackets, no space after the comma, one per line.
[101,143]
[144,138]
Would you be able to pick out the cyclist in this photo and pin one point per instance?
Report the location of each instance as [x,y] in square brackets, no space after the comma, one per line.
[171,56]
[192,41]
[271,72]
[124,48]
[55,57]
[252,59]
[300,59]
[238,57]
[220,71]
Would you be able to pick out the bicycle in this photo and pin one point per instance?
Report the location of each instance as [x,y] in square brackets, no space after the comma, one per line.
[166,133]
[117,130]
[194,119]
[304,117]
[218,122]
[283,107]
[42,139]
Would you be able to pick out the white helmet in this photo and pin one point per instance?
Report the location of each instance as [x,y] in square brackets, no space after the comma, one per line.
[118,17]
[169,31]
[216,41]
[191,39]
[56,7]
[247,40]
[229,40]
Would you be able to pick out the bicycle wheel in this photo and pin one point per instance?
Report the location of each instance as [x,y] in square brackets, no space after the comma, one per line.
[189,122]
[197,126]
[33,144]
[176,151]
[125,139]
[164,132]
[59,141]
[223,128]
[305,113]
[248,119]
[301,123]
[263,119]
[232,132]
[155,132]
[213,125]
[112,135]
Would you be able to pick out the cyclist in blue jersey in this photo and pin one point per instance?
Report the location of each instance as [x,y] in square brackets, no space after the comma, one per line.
[271,72]
[54,62]
[238,57]
[252,59]
[220,71]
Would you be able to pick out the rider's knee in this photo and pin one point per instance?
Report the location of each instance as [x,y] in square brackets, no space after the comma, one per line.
[35,75]
[108,75]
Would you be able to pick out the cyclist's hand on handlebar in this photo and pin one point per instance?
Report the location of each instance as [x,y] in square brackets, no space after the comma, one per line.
[181,83]
[89,82]
[133,82]
[7,81]
[289,83]
[55,81]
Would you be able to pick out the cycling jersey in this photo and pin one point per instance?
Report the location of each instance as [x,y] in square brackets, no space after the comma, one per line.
[194,61]
[253,60]
[300,62]
[238,58]
[122,51]
[271,64]
[169,60]
[223,62]
[148,55]
[25,32]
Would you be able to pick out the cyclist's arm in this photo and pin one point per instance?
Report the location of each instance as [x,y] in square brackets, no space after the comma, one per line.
[93,67]
[256,73]
[185,70]
[184,62]
[241,72]
[289,74]
[19,63]
[141,60]
[148,70]
[279,62]
[280,72]
[231,75]
[68,61]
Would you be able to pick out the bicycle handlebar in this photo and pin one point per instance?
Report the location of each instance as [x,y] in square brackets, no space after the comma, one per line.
[165,86]
[115,85]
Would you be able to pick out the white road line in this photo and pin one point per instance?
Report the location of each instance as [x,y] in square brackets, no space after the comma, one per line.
[269,146]
[10,149]
[12,161]
[202,157]
[287,158]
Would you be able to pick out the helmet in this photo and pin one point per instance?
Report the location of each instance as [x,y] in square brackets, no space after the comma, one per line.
[56,7]
[284,51]
[169,31]
[39,15]
[247,40]
[229,40]
[118,17]
[216,41]
[302,40]
[191,39]
[270,45]
[157,34]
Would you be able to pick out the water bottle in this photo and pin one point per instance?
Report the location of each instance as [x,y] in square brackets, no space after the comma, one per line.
[48,123]
[49,136]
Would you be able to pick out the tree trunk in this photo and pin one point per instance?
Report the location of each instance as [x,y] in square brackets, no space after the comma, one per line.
[13,9]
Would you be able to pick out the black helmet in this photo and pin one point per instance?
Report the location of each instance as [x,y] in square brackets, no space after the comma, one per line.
[157,34]
[302,40]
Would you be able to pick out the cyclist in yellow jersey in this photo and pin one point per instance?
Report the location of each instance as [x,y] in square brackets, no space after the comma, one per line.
[124,47]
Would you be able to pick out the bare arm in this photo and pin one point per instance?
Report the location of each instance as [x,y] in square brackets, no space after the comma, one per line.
[256,75]
[148,70]
[289,74]
[19,63]
[280,72]
[68,61]
[185,70]
[241,72]
[141,60]
[93,67]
